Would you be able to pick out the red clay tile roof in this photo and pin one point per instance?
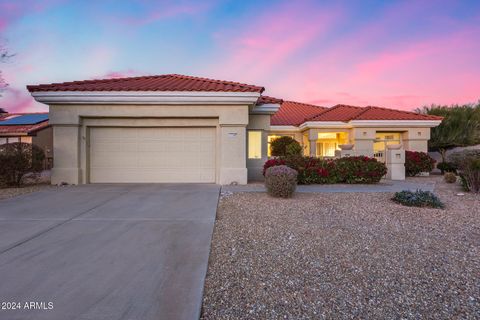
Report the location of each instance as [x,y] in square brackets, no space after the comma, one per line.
[378,113]
[339,112]
[347,113]
[268,100]
[294,113]
[167,82]
[21,129]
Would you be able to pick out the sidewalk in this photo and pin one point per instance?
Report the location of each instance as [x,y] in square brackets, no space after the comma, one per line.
[383,186]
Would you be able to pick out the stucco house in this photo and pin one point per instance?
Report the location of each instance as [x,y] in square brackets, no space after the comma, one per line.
[176,128]
[29,128]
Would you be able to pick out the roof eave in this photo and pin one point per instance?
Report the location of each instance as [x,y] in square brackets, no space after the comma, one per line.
[145,97]
[395,123]
[267,108]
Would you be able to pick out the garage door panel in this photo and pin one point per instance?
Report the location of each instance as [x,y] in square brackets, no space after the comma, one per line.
[152,155]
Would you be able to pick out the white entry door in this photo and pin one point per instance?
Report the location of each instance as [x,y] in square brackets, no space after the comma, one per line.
[149,155]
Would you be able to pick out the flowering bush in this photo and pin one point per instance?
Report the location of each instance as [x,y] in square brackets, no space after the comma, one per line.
[416,162]
[360,170]
[281,181]
[345,170]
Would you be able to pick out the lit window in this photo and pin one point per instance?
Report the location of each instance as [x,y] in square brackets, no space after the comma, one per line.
[269,141]
[254,144]
[3,140]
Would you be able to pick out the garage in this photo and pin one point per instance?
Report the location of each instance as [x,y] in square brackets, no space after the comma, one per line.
[152,154]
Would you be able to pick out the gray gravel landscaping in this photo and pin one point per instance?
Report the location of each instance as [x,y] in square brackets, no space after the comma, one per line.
[344,255]
[11,192]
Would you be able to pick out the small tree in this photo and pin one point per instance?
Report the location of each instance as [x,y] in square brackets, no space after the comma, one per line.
[285,146]
[18,159]
[4,56]
[459,128]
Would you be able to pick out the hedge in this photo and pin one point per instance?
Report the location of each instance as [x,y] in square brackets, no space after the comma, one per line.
[344,170]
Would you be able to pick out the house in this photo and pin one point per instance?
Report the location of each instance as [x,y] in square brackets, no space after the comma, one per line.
[29,128]
[176,128]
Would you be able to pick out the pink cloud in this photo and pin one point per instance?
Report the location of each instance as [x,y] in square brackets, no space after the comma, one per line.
[365,67]
[13,10]
[16,100]
[120,74]
[271,40]
[158,10]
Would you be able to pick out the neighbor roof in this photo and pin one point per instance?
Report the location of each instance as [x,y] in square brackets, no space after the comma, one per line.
[294,113]
[268,100]
[22,128]
[346,113]
[167,82]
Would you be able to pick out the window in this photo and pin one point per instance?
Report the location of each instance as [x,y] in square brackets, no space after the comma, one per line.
[3,140]
[13,139]
[254,144]
[328,142]
[382,140]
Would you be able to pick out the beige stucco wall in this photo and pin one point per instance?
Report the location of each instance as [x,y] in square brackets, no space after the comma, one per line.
[44,139]
[413,138]
[71,123]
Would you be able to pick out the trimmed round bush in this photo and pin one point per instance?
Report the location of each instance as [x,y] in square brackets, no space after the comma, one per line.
[418,198]
[450,177]
[272,163]
[417,162]
[281,181]
[284,146]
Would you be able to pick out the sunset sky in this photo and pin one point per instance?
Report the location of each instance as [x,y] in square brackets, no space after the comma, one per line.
[397,54]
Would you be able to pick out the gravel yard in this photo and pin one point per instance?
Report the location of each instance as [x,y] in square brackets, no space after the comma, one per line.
[344,255]
[6,193]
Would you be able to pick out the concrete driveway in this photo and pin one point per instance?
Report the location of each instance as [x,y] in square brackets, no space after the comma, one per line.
[106,251]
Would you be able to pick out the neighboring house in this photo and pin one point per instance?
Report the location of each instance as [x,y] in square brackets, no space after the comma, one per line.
[175,128]
[29,128]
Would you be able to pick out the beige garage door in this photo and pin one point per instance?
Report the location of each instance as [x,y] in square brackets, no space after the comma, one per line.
[152,155]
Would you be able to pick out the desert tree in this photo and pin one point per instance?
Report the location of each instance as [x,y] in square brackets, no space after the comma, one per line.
[460,126]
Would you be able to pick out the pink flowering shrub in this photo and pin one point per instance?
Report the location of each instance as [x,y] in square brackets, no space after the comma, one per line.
[417,162]
[345,170]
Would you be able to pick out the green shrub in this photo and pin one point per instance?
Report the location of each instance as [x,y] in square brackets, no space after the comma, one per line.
[360,170]
[417,162]
[280,147]
[450,177]
[294,149]
[280,181]
[446,167]
[418,198]
[18,159]
[468,163]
